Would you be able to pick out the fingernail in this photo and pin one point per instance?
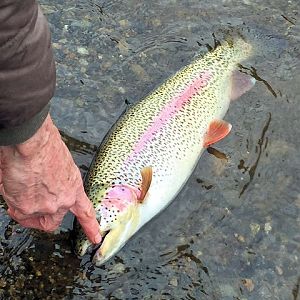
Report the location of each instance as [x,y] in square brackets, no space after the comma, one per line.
[98,238]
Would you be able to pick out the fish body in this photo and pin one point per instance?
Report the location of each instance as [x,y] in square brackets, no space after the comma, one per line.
[154,147]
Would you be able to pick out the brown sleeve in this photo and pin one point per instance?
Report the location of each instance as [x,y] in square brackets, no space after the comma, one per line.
[27,71]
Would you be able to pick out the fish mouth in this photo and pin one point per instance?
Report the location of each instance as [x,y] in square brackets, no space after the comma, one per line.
[98,258]
[113,240]
[100,253]
[92,248]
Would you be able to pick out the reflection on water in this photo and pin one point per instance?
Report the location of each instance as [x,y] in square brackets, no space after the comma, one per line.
[253,72]
[233,231]
[261,146]
[77,146]
[296,289]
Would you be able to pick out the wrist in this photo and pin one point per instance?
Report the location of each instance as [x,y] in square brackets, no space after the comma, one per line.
[13,135]
[37,142]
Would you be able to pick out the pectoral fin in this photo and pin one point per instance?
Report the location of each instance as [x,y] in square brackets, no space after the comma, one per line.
[217,130]
[146,173]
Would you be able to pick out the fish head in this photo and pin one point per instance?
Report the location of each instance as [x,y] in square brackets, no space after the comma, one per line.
[119,211]
[118,216]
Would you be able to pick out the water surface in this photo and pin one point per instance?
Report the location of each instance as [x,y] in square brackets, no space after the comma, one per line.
[233,231]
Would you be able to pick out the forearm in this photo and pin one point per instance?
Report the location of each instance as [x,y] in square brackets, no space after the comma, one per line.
[27,71]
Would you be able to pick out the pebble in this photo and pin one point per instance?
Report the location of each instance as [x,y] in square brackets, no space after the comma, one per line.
[268,227]
[82,50]
[118,268]
[248,283]
[279,270]
[122,90]
[255,228]
[124,23]
[174,281]
[239,237]
[140,72]
[83,62]
[56,45]
[2,283]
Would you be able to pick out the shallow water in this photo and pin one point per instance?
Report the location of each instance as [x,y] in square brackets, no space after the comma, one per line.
[233,231]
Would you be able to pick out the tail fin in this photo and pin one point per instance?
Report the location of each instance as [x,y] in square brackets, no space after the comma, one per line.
[264,40]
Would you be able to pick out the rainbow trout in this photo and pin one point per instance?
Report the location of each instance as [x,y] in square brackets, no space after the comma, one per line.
[152,150]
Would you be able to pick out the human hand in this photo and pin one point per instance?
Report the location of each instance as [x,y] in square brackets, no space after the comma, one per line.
[40,182]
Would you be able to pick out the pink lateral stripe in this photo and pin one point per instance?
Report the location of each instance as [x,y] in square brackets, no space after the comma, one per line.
[174,106]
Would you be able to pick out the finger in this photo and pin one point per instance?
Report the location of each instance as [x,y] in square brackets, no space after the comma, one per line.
[17,215]
[86,216]
[33,222]
[44,223]
[52,221]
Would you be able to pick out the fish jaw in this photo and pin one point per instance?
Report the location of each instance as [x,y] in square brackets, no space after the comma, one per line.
[117,236]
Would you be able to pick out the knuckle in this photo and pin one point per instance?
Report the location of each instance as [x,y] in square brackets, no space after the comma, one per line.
[50,209]
[47,225]
[25,211]
[51,223]
[20,215]
[68,202]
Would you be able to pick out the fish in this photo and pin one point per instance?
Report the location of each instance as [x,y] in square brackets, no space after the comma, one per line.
[152,150]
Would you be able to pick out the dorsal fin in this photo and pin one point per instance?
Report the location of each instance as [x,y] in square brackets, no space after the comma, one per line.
[146,173]
[217,130]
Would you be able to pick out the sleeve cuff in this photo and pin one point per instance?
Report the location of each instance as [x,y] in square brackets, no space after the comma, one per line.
[19,134]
